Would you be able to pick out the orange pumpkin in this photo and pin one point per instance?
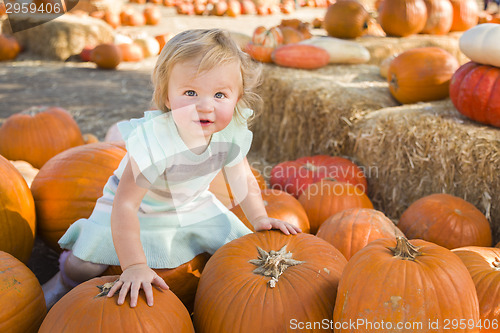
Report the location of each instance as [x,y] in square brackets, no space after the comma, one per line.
[152,15]
[483,264]
[421,75]
[182,280]
[446,220]
[17,213]
[299,282]
[222,190]
[414,283]
[346,19]
[37,134]
[279,205]
[83,310]
[112,18]
[439,17]
[27,170]
[131,52]
[9,47]
[328,197]
[67,187]
[300,56]
[259,52]
[106,56]
[352,229]
[263,43]
[22,305]
[402,18]
[465,14]
[291,35]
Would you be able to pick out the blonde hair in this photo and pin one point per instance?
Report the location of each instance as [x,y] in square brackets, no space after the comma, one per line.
[210,47]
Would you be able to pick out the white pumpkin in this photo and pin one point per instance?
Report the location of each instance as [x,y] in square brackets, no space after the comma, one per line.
[482,44]
[341,51]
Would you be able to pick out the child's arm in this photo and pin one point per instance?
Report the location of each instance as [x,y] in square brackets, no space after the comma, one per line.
[126,239]
[247,192]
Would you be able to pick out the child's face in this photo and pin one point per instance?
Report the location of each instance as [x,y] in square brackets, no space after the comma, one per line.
[203,103]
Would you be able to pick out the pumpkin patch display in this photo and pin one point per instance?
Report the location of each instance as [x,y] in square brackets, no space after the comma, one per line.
[395,281]
[352,229]
[446,220]
[265,280]
[465,14]
[17,213]
[346,19]
[328,197]
[263,43]
[421,75]
[182,280]
[475,92]
[480,44]
[87,309]
[295,176]
[66,187]
[279,205]
[439,17]
[37,134]
[402,18]
[22,305]
[483,264]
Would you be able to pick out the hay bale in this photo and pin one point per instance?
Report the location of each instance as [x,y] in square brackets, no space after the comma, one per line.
[383,47]
[415,150]
[90,6]
[309,111]
[59,38]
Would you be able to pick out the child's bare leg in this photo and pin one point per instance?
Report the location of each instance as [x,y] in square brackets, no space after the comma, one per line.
[72,271]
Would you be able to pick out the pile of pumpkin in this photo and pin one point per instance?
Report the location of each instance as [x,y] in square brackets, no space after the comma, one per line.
[351,262]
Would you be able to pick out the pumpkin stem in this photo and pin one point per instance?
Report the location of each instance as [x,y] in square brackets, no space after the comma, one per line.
[404,249]
[273,264]
[34,110]
[496,264]
[105,288]
[309,166]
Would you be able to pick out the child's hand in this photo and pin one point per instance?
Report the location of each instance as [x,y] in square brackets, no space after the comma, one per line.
[133,278]
[267,223]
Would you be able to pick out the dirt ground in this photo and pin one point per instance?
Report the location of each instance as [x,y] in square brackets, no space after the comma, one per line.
[99,98]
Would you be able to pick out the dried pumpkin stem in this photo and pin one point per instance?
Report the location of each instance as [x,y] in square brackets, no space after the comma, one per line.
[496,264]
[273,263]
[105,288]
[404,249]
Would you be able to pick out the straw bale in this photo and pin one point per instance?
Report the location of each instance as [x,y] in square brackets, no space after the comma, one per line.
[309,112]
[415,150]
[62,37]
[90,6]
[383,47]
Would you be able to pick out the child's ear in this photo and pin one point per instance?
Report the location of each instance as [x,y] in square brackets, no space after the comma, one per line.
[167,104]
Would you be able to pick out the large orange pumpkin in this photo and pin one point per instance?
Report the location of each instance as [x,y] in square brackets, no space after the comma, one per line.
[446,220]
[66,187]
[328,197]
[410,283]
[9,47]
[17,213]
[465,14]
[483,264]
[38,133]
[352,229]
[83,310]
[402,18]
[22,305]
[106,56]
[346,19]
[182,280]
[421,74]
[279,205]
[264,281]
[439,17]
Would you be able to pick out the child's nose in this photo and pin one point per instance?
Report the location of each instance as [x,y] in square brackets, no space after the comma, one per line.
[205,105]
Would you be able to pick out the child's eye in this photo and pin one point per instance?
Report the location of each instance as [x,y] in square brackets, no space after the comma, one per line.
[220,95]
[190,93]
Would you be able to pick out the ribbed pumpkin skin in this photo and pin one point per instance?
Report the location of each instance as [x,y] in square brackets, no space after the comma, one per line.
[402,18]
[37,134]
[377,286]
[346,19]
[439,17]
[22,305]
[483,264]
[352,229]
[81,311]
[182,280]
[446,220]
[421,75]
[326,198]
[231,298]
[17,213]
[475,92]
[300,56]
[465,14]
[66,187]
[279,205]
